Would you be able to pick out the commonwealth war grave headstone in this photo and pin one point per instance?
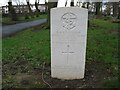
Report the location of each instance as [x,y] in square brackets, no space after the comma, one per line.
[68,42]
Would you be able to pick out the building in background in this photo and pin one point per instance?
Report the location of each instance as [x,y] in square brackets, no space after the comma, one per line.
[22,8]
[1,10]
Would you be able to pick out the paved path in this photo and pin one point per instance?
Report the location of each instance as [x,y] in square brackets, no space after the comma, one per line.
[11,29]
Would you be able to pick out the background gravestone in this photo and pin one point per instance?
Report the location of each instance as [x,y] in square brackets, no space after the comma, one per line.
[68,42]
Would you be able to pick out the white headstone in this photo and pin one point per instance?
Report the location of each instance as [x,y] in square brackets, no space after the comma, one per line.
[68,42]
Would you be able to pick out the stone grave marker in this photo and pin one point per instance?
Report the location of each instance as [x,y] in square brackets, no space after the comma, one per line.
[68,42]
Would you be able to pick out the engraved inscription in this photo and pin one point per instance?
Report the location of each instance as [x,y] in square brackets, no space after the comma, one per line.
[69,20]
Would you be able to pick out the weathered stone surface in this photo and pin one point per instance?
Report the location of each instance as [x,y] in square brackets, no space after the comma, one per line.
[68,42]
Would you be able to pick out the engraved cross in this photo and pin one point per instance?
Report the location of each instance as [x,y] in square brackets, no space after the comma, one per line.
[68,52]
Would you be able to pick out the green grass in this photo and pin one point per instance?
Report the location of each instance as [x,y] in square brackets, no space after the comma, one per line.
[22,19]
[33,47]
[112,83]
[5,19]
[106,25]
[36,18]
[103,43]
[102,46]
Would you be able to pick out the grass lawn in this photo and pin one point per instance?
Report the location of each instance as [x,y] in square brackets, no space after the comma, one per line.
[21,19]
[24,54]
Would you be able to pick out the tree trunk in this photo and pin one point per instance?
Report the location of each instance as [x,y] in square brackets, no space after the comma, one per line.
[119,11]
[108,9]
[26,15]
[46,7]
[72,2]
[37,10]
[30,11]
[88,5]
[115,9]
[12,12]
[36,6]
[50,5]
[28,4]
[98,5]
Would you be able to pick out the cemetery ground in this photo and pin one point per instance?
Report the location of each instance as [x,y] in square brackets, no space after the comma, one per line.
[26,58]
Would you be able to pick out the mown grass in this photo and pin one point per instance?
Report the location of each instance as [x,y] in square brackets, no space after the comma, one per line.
[102,46]
[111,83]
[22,19]
[103,41]
[28,44]
[5,19]
[27,50]
[33,46]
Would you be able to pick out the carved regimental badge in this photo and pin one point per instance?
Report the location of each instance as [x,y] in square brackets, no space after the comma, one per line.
[69,20]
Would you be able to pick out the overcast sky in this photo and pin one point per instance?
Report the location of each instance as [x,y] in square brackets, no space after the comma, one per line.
[5,2]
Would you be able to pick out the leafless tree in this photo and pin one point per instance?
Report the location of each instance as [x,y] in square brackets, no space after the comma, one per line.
[50,5]
[19,3]
[115,9]
[36,5]
[12,12]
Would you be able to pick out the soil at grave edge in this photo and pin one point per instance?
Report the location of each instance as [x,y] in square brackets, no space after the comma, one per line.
[95,73]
